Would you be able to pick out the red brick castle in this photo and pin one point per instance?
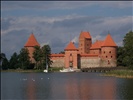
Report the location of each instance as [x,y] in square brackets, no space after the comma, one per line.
[102,53]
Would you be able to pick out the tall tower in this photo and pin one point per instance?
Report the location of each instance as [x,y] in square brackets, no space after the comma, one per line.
[108,52]
[30,46]
[84,42]
[71,53]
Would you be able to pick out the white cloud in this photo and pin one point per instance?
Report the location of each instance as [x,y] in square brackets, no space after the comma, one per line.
[75,39]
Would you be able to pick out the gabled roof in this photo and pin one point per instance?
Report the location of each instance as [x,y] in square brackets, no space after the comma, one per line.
[109,41]
[31,41]
[71,46]
[85,35]
[97,44]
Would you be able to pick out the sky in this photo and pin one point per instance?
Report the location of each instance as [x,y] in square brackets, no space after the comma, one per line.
[58,22]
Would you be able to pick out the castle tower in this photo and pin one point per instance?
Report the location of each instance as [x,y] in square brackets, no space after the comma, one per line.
[84,42]
[30,46]
[108,52]
[71,55]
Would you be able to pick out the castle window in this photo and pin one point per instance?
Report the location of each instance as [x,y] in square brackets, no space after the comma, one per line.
[111,56]
[106,56]
[104,52]
[109,51]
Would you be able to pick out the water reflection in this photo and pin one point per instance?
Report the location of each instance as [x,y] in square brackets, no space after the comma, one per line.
[125,89]
[91,89]
[84,86]
[31,86]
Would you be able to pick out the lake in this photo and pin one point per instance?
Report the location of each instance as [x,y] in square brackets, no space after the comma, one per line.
[52,86]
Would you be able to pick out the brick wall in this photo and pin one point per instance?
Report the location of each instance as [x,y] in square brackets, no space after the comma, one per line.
[57,62]
[90,62]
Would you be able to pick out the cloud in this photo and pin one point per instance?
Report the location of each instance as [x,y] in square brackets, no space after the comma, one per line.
[59,31]
[46,5]
[75,39]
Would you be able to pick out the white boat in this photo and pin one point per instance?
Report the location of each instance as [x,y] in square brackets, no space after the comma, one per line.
[67,70]
[46,70]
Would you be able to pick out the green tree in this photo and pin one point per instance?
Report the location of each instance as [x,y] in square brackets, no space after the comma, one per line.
[2,57]
[24,58]
[37,55]
[46,52]
[128,48]
[14,61]
[5,64]
[120,56]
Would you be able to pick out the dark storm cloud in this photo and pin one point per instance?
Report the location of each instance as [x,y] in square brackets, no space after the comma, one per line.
[59,31]
[13,41]
[11,5]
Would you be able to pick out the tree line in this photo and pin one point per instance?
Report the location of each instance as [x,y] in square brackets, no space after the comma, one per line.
[22,60]
[125,52]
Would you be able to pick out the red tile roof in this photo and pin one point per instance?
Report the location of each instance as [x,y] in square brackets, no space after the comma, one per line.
[109,41]
[57,55]
[85,35]
[97,44]
[32,41]
[71,46]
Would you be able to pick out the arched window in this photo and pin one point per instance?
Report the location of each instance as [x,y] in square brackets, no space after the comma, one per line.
[111,56]
[109,51]
[106,56]
[104,52]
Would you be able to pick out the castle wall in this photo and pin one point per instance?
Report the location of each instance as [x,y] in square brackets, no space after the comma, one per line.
[90,62]
[95,51]
[57,62]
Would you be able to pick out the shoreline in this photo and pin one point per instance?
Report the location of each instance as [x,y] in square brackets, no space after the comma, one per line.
[13,70]
[120,73]
[125,73]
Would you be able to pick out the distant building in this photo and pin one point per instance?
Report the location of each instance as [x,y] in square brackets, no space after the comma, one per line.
[30,46]
[102,53]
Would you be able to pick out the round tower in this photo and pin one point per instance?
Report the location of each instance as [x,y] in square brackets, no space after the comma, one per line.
[109,52]
[30,46]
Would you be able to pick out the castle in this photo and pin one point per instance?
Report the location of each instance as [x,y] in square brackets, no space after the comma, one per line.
[102,53]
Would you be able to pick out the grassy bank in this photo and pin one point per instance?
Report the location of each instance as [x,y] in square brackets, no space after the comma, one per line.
[120,73]
[31,70]
[56,69]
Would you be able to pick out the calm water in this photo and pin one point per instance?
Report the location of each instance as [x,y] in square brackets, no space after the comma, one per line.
[51,86]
